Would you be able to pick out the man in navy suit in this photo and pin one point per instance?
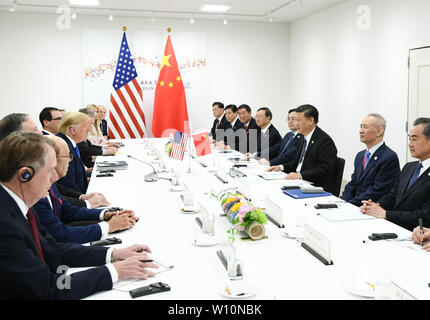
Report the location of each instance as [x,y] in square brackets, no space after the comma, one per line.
[316,155]
[103,122]
[220,121]
[376,168]
[73,129]
[409,198]
[17,122]
[32,263]
[230,137]
[268,136]
[55,212]
[286,150]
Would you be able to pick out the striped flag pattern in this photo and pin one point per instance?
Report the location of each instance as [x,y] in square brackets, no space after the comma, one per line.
[126,116]
[179,144]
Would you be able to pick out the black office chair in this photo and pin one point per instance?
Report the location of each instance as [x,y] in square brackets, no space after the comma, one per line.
[340,166]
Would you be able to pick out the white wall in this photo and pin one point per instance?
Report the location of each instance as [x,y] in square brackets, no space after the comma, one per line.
[347,72]
[42,66]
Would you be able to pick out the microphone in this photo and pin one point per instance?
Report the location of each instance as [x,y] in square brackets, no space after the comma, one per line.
[150,177]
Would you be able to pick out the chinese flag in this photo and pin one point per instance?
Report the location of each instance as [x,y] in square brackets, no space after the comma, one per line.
[170,106]
[202,144]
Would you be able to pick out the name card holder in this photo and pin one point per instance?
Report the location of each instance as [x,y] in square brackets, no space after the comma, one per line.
[317,244]
[274,213]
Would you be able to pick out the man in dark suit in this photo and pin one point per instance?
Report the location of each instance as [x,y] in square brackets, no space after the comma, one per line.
[230,137]
[286,150]
[220,121]
[55,212]
[250,130]
[73,129]
[50,119]
[268,136]
[32,263]
[316,155]
[409,198]
[103,122]
[376,168]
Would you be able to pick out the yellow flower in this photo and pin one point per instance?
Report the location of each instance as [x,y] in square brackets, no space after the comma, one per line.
[230,200]
[236,206]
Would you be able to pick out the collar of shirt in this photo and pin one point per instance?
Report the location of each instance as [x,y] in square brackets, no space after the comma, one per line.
[21,204]
[47,132]
[374,148]
[426,165]
[220,117]
[308,137]
[263,131]
[234,122]
[72,141]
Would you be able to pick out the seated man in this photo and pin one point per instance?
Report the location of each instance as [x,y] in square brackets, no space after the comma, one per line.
[251,129]
[17,122]
[74,129]
[55,212]
[229,139]
[316,155]
[220,121]
[50,119]
[286,150]
[103,122]
[268,137]
[29,256]
[409,198]
[376,168]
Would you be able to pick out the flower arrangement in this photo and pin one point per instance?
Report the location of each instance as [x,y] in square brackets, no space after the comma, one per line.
[244,216]
[168,147]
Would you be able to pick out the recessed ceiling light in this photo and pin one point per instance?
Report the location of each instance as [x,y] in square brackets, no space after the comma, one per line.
[225,22]
[84,2]
[214,7]
[110,18]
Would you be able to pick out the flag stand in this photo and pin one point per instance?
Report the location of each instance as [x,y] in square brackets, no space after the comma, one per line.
[189,154]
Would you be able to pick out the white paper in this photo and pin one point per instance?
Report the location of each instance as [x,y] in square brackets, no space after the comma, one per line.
[272,175]
[344,214]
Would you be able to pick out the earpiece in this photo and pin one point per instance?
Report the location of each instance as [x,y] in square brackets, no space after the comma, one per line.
[27,175]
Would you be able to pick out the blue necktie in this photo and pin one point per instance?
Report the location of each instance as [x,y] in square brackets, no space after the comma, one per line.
[366,159]
[415,175]
[303,151]
[77,151]
[287,144]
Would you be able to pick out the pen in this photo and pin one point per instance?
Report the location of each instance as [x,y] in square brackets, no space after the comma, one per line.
[146,261]
[420,221]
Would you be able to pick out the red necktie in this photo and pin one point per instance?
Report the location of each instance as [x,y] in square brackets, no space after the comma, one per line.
[33,226]
[246,129]
[217,123]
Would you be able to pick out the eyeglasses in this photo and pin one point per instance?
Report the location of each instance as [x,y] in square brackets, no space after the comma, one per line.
[58,118]
[70,156]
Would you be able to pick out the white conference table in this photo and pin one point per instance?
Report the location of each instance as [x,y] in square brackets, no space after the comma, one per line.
[277,266]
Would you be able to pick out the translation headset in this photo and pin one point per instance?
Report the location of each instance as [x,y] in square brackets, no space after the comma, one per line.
[27,175]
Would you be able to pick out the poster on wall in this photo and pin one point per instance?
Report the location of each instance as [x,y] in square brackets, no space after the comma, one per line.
[100,54]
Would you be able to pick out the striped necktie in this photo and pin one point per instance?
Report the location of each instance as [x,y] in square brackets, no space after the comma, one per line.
[33,226]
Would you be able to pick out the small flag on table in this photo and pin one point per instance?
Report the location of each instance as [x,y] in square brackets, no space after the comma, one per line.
[202,144]
[179,144]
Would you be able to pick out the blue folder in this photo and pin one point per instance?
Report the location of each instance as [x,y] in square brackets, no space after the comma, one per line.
[298,194]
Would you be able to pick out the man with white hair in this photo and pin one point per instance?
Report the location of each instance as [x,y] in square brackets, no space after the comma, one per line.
[376,168]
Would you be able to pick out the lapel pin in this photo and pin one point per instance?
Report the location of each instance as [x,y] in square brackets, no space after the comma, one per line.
[376,158]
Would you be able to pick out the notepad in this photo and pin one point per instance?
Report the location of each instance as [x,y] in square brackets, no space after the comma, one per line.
[298,194]
[272,175]
[344,214]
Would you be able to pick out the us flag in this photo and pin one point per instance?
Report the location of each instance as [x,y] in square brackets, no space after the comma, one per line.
[179,144]
[126,116]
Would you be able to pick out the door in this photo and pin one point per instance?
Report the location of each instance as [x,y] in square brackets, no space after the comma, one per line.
[419,87]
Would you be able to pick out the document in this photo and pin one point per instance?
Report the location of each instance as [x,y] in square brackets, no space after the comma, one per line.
[344,213]
[272,175]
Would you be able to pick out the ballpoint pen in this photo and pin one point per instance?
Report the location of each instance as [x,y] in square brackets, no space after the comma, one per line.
[420,221]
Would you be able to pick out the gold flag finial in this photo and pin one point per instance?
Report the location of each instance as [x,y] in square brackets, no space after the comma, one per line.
[168,30]
[124,28]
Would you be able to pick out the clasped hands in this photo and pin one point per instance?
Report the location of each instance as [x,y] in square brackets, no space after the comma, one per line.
[120,220]
[373,209]
[290,176]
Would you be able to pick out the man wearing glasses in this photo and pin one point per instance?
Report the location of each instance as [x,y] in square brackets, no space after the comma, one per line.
[50,119]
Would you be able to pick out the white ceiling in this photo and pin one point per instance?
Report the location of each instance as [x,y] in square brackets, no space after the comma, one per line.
[282,11]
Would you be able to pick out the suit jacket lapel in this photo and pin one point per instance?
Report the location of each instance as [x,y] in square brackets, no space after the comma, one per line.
[312,142]
[372,161]
[405,192]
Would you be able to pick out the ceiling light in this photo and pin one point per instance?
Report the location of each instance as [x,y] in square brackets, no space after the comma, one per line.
[84,2]
[74,15]
[214,7]
[110,18]
[225,22]
[191,20]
